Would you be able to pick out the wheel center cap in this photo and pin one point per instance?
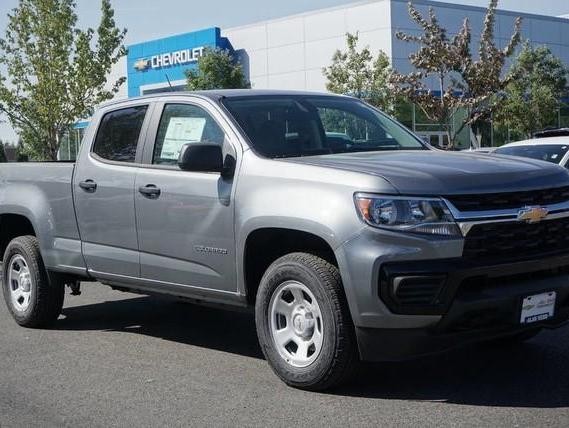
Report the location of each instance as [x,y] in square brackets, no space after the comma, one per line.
[303,322]
[25,282]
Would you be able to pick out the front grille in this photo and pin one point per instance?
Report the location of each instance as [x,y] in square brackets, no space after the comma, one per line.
[512,200]
[516,240]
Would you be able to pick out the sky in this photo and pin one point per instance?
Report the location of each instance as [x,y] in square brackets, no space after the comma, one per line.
[149,19]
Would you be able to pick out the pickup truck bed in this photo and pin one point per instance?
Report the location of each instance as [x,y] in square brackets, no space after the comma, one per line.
[41,192]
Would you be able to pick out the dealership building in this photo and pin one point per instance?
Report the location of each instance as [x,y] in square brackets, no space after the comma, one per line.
[290,52]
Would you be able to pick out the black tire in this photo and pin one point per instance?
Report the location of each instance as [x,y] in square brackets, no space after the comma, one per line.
[46,299]
[338,357]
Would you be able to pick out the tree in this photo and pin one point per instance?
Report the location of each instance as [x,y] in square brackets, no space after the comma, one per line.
[532,97]
[21,155]
[356,72]
[217,69]
[463,82]
[57,72]
[2,152]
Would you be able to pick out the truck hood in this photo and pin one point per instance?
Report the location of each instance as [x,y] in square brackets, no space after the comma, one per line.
[434,172]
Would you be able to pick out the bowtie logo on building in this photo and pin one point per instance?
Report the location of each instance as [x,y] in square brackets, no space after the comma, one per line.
[142,64]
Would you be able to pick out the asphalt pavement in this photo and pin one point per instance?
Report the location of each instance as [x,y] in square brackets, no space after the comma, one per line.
[119,359]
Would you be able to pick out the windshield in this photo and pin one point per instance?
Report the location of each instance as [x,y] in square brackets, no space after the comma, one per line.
[292,125]
[547,152]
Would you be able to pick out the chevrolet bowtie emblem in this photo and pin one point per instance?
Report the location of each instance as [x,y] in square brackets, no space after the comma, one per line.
[142,64]
[532,214]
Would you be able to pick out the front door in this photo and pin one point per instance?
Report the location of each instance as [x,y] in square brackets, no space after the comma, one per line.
[103,186]
[185,219]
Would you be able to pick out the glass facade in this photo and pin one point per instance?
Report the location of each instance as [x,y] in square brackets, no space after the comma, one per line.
[70,145]
[486,133]
[434,133]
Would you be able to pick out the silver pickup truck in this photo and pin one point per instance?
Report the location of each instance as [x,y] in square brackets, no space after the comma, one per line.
[349,237]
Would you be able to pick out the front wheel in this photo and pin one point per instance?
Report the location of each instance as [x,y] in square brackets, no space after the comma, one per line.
[33,300]
[303,322]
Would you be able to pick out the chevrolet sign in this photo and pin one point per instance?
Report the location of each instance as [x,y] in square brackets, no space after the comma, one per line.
[181,57]
[141,64]
[532,214]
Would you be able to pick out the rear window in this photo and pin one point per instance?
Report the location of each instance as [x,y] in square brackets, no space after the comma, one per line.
[547,152]
[117,137]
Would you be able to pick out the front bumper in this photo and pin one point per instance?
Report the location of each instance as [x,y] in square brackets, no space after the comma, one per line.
[476,300]
[379,345]
[476,303]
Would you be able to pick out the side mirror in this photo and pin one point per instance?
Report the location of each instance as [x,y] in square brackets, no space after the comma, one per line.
[201,157]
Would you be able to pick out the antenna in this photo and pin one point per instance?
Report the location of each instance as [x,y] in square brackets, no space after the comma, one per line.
[169,84]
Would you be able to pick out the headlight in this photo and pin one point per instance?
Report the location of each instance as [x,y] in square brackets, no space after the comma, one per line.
[415,215]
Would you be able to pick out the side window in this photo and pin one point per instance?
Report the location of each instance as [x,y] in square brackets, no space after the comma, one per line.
[182,124]
[118,134]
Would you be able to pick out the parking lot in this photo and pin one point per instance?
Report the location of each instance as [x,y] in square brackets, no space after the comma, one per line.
[117,359]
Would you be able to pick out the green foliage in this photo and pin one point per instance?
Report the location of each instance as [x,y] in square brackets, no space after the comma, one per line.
[56,72]
[464,83]
[355,72]
[217,69]
[2,152]
[537,82]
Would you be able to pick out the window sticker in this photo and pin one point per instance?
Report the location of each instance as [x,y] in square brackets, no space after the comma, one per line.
[181,130]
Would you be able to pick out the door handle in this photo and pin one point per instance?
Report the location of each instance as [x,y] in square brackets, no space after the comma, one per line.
[150,191]
[88,185]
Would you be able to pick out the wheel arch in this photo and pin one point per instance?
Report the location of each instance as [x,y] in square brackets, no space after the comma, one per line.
[264,245]
[13,225]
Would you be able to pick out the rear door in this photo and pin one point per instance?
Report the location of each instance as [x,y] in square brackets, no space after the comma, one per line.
[104,192]
[185,228]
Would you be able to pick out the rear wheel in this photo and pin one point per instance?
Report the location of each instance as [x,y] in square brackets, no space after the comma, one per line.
[303,322]
[33,300]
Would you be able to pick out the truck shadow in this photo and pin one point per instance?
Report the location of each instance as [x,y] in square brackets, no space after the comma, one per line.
[168,319]
[534,374]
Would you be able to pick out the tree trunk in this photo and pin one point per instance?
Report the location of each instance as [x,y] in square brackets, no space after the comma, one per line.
[52,145]
[55,148]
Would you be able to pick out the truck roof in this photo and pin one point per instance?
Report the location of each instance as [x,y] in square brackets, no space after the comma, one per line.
[217,94]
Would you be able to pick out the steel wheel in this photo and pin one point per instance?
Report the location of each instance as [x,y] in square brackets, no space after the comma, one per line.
[296,323]
[19,283]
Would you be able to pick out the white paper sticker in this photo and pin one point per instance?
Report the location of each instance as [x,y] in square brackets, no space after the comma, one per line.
[181,130]
[538,308]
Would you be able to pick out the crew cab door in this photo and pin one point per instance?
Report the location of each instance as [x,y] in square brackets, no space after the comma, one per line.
[103,188]
[185,219]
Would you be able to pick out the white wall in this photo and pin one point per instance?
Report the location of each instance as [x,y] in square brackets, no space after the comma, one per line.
[117,71]
[290,53]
